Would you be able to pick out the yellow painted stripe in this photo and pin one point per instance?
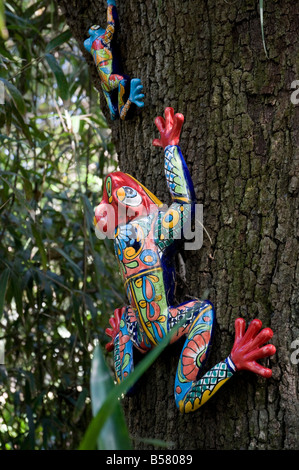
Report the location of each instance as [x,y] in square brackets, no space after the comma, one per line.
[148,333]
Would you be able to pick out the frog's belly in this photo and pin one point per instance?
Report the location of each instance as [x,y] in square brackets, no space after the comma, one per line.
[147,295]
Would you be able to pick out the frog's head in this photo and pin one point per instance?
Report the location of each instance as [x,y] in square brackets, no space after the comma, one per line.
[94,32]
[124,199]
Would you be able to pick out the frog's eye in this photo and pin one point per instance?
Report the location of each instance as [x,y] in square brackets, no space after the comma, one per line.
[128,196]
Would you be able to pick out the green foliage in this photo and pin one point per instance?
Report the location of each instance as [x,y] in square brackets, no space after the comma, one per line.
[57,280]
[114,433]
[108,404]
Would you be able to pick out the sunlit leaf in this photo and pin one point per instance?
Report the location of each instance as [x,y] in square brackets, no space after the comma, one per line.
[3,30]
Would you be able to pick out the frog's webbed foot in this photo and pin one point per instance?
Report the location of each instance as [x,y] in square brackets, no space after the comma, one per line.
[136,92]
[250,346]
[169,128]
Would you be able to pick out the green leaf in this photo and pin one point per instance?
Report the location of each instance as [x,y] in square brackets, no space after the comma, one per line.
[3,284]
[27,185]
[66,256]
[18,120]
[60,39]
[40,245]
[20,198]
[15,95]
[114,434]
[3,30]
[16,286]
[30,441]
[112,399]
[63,87]
[78,321]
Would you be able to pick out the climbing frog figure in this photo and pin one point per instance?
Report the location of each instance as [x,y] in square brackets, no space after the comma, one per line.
[145,235]
[120,91]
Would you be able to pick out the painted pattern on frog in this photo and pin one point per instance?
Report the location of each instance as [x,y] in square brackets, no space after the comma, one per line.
[145,239]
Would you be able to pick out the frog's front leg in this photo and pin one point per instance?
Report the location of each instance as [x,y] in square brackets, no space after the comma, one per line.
[126,334]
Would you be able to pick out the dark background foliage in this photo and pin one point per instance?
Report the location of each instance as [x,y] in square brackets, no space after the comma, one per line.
[57,281]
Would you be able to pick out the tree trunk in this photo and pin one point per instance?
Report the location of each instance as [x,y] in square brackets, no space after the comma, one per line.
[240,141]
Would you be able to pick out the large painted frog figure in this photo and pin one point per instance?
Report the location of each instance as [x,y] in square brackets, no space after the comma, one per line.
[145,236]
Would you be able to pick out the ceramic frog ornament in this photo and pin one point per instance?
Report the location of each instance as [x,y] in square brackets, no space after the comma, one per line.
[121,92]
[145,238]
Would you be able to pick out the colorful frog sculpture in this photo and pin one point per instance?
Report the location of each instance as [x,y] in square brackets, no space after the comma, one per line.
[121,92]
[145,238]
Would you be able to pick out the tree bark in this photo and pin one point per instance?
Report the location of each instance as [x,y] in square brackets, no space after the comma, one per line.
[240,141]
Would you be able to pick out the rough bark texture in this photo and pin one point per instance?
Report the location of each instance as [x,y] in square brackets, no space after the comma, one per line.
[240,140]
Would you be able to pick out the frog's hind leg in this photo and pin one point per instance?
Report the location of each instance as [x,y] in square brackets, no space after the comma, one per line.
[120,84]
[192,388]
[110,102]
[114,87]
[187,314]
[195,350]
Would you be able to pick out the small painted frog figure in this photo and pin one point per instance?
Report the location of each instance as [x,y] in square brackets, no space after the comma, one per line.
[145,236]
[121,92]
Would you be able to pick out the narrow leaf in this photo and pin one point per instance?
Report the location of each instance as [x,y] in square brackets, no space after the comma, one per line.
[40,245]
[80,405]
[63,87]
[114,434]
[18,120]
[3,284]
[15,95]
[20,198]
[111,401]
[70,261]
[56,42]
[78,321]
[17,292]
[3,30]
